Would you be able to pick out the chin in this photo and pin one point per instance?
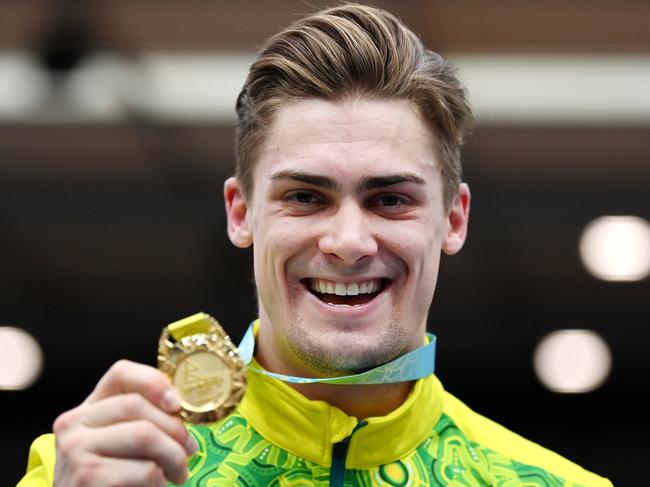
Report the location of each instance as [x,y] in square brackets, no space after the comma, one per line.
[346,351]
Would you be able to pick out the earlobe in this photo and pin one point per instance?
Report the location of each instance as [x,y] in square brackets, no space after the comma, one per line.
[457,219]
[239,229]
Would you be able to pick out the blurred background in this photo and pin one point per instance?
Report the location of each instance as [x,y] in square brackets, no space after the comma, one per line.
[116,134]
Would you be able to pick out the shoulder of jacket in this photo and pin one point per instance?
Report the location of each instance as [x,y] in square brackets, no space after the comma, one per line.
[491,435]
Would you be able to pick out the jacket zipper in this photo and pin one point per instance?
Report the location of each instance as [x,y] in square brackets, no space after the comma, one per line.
[339,455]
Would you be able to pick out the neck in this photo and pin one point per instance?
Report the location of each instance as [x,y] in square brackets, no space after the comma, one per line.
[360,401]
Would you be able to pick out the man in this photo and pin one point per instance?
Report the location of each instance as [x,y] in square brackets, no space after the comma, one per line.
[348,188]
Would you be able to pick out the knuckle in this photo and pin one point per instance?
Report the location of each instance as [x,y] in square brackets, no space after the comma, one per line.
[70,442]
[156,386]
[145,433]
[67,420]
[120,368]
[85,473]
[133,404]
[63,422]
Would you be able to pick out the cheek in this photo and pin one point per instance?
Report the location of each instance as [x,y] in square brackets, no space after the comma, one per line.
[273,251]
[418,248]
[418,245]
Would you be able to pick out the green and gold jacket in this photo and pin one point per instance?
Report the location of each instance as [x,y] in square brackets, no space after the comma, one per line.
[278,437]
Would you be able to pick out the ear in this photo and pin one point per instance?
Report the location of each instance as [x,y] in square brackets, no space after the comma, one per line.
[457,219]
[239,228]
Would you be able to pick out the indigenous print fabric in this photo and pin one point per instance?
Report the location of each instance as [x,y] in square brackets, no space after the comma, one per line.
[278,437]
[232,453]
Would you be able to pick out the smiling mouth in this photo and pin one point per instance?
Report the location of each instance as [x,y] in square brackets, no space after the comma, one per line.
[346,294]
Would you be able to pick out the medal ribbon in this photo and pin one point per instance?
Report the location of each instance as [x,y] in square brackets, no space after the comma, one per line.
[414,365]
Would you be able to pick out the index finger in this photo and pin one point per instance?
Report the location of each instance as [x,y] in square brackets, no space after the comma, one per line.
[125,377]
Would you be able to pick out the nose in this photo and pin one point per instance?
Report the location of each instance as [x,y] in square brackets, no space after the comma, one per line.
[348,234]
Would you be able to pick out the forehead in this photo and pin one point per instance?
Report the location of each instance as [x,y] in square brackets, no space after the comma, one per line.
[348,139]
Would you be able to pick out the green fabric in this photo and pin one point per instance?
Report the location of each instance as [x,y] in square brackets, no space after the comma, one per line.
[233,453]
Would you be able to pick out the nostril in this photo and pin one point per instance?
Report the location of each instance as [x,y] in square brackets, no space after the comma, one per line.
[348,250]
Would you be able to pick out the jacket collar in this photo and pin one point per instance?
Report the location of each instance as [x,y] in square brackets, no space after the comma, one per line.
[309,428]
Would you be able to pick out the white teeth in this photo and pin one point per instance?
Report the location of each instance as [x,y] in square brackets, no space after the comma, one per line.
[342,289]
[352,289]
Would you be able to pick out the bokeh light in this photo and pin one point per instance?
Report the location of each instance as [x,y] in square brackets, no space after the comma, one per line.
[21,359]
[572,361]
[617,248]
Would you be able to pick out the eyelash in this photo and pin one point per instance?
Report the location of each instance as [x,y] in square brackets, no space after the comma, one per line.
[294,197]
[401,200]
[375,201]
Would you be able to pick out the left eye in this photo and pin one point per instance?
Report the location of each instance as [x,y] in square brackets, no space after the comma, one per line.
[390,200]
[304,198]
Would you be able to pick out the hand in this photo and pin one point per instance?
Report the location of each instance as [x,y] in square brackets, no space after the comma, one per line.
[125,433]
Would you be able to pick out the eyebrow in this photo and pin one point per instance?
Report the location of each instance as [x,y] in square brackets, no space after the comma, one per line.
[366,183]
[305,177]
[374,182]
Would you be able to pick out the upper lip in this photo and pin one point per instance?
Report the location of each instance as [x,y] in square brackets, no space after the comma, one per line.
[347,279]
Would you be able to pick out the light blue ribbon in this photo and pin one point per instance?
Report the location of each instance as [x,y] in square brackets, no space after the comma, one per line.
[416,364]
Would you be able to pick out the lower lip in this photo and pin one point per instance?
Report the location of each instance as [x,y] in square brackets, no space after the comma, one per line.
[358,310]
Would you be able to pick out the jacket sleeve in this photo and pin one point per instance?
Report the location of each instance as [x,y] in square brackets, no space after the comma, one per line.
[40,465]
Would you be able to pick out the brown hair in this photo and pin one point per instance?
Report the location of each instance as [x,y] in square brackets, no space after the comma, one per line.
[352,50]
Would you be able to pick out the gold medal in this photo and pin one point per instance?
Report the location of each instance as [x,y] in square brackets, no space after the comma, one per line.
[204,367]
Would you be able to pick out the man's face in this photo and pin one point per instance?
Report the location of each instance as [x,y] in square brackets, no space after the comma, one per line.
[347,224]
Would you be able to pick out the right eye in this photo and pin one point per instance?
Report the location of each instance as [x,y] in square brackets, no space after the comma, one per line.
[303,198]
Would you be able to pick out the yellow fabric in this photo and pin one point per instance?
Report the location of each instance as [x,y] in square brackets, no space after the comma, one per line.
[491,435]
[309,428]
[281,409]
[401,431]
[197,323]
[40,466]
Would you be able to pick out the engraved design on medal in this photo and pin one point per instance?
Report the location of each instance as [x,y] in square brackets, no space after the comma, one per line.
[203,381]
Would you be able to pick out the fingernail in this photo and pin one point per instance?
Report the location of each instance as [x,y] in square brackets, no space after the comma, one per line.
[191,446]
[170,401]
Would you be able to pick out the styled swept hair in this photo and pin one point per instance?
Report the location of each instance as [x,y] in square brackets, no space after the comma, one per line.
[352,51]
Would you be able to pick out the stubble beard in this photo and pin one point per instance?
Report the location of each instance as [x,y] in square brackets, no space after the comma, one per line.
[336,354]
